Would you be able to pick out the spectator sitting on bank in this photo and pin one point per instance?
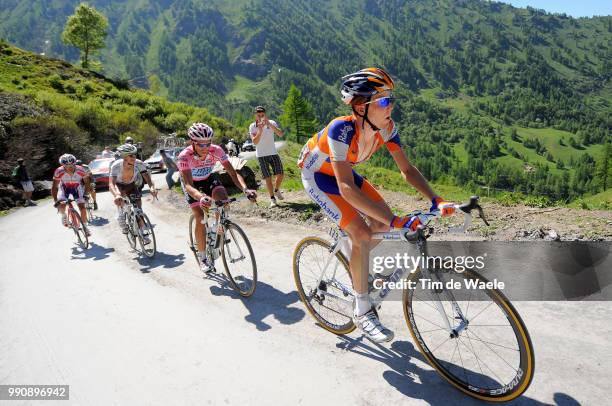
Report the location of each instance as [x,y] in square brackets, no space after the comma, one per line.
[20,173]
[171,167]
[262,132]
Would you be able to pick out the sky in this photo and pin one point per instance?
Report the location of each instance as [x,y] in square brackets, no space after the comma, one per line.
[574,8]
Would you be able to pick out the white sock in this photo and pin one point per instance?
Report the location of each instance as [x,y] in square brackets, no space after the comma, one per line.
[362,304]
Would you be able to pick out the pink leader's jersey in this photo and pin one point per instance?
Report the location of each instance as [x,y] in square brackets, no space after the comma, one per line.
[201,168]
[70,181]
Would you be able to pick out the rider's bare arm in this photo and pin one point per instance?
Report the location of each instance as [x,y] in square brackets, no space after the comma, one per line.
[87,182]
[112,187]
[352,194]
[147,177]
[411,174]
[188,183]
[54,189]
[236,177]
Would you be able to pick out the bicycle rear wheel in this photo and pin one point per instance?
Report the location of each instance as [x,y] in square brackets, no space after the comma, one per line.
[79,228]
[239,260]
[492,358]
[147,229]
[327,296]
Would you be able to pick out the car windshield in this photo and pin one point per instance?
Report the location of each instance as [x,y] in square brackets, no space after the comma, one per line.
[100,164]
[156,154]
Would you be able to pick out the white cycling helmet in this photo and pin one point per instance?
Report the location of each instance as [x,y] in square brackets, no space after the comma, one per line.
[67,159]
[200,132]
[127,149]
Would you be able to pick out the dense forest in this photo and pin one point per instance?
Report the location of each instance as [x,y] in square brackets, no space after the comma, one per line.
[490,95]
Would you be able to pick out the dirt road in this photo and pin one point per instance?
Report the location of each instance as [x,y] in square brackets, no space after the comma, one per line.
[120,329]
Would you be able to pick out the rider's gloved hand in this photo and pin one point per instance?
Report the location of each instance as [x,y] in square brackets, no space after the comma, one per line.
[206,201]
[251,194]
[445,208]
[405,222]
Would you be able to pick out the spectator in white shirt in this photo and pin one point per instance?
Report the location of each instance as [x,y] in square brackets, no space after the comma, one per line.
[262,133]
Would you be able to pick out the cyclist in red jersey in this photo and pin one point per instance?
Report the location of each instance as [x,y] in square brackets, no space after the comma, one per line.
[70,179]
[328,177]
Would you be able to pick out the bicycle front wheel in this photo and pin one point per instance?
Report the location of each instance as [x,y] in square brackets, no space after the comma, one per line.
[148,249]
[324,284]
[193,244]
[239,260]
[131,235]
[489,356]
[79,228]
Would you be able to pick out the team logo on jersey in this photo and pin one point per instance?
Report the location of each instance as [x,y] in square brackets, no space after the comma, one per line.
[344,133]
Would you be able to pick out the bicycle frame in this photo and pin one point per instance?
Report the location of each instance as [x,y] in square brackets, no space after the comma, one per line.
[220,219]
[131,211]
[417,237]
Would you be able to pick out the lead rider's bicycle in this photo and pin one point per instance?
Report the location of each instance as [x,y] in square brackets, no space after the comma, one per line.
[480,345]
[226,239]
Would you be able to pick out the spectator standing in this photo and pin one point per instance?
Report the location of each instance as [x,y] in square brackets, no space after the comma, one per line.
[21,175]
[171,167]
[262,133]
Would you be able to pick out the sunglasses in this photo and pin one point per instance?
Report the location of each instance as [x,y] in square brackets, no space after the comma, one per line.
[383,101]
[203,145]
[129,155]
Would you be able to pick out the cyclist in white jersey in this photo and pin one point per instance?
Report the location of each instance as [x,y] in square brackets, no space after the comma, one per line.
[127,177]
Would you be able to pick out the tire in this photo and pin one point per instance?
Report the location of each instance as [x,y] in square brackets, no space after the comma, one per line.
[131,237]
[150,249]
[504,391]
[192,239]
[90,214]
[316,303]
[79,229]
[245,282]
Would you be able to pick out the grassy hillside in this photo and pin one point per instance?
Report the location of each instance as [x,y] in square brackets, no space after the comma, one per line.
[49,107]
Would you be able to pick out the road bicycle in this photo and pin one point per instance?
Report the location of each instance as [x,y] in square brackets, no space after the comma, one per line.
[227,240]
[89,205]
[478,343]
[76,223]
[136,234]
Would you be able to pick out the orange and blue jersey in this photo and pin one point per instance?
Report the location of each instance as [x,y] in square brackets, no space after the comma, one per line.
[341,141]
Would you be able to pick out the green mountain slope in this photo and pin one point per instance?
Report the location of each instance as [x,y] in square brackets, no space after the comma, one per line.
[470,73]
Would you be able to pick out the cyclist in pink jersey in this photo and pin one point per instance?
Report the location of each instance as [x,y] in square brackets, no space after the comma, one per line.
[200,184]
[70,179]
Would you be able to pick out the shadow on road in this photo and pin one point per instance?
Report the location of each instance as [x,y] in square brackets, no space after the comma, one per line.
[266,301]
[95,252]
[98,221]
[160,259]
[417,383]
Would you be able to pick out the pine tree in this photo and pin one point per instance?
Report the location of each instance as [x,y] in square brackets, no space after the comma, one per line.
[298,116]
[603,173]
